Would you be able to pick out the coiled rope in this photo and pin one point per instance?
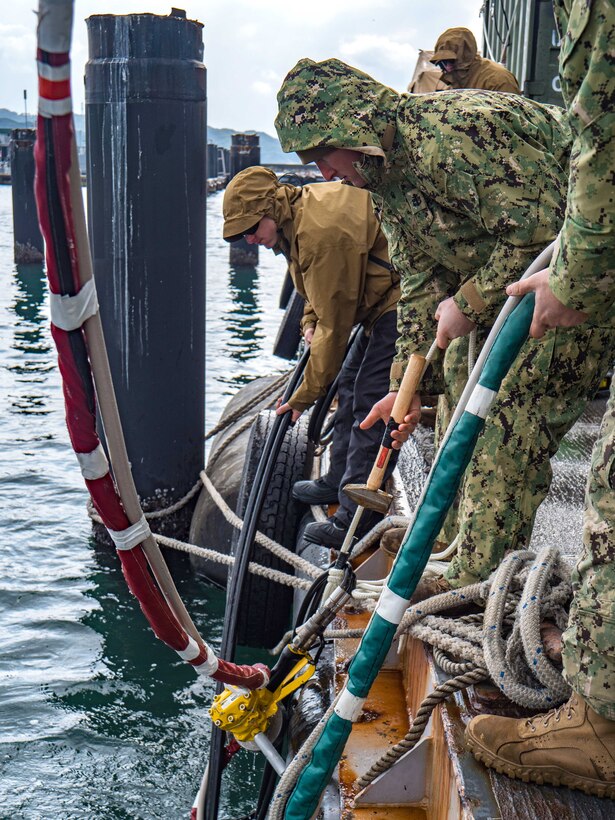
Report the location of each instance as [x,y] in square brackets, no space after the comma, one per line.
[526,589]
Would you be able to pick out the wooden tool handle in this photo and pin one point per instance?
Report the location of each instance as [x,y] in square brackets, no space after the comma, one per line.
[407,389]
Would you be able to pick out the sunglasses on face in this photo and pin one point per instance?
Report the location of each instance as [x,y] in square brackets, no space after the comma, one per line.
[251,230]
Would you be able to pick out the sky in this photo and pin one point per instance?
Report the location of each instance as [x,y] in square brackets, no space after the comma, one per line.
[250,45]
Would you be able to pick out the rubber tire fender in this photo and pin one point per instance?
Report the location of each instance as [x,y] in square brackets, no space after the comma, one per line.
[267,607]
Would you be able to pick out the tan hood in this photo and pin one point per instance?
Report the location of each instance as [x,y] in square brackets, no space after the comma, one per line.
[252,194]
[456,44]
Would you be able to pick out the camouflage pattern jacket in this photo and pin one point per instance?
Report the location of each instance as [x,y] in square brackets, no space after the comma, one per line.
[472,184]
[583,271]
[471,70]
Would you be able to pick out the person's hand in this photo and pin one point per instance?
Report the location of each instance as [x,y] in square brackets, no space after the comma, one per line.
[408,425]
[286,408]
[452,323]
[382,410]
[308,335]
[549,312]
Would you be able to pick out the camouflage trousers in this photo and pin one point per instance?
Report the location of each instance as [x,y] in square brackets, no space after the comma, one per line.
[589,641]
[510,473]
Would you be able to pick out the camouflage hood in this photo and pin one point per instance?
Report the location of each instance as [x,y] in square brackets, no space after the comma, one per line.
[333,105]
[252,194]
[456,44]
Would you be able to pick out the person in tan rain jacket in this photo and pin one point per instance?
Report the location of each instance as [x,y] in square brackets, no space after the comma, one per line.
[456,55]
[339,263]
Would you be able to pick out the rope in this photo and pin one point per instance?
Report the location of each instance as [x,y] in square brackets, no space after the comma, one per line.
[439,694]
[256,569]
[473,648]
[268,543]
[240,411]
[177,505]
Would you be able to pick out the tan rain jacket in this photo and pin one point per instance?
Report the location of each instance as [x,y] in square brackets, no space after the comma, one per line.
[471,70]
[337,256]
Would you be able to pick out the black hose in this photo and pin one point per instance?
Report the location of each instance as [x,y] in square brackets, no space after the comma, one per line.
[236,585]
[321,408]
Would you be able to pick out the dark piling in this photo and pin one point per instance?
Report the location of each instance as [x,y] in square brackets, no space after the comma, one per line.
[27,239]
[245,152]
[146,168]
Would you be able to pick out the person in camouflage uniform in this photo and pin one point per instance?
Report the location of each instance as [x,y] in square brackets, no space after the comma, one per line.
[472,186]
[575,744]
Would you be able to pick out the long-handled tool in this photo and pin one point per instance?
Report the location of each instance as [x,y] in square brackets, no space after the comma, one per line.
[369,496]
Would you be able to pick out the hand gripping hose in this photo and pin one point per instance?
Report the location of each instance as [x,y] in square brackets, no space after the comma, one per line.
[82,359]
[499,352]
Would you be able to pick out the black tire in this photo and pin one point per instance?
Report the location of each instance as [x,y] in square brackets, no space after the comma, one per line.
[267,606]
[289,335]
[209,527]
[287,290]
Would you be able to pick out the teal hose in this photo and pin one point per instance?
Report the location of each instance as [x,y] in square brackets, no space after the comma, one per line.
[413,555]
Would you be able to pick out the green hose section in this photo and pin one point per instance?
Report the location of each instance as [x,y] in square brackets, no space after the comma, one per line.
[411,560]
[508,344]
[372,651]
[305,797]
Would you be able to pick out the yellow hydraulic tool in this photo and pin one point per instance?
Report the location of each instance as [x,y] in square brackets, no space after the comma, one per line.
[246,713]
[254,717]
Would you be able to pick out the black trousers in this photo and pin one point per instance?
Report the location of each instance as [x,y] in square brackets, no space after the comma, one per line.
[364,379]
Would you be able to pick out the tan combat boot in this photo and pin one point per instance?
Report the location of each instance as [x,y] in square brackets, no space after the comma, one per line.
[570,746]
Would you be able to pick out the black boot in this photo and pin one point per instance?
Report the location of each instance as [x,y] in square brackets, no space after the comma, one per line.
[325,533]
[315,492]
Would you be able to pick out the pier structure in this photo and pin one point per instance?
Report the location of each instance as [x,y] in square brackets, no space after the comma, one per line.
[245,151]
[27,239]
[146,160]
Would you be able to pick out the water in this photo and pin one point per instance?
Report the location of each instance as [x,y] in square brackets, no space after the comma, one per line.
[98,719]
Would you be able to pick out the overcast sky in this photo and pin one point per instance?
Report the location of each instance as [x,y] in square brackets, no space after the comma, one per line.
[251,44]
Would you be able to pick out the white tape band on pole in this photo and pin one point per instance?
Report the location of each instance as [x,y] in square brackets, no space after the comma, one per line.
[70,312]
[391,607]
[54,108]
[191,652]
[210,666]
[348,706]
[93,465]
[54,73]
[55,22]
[480,401]
[131,536]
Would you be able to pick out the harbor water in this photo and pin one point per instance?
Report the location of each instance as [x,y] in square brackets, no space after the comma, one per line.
[98,719]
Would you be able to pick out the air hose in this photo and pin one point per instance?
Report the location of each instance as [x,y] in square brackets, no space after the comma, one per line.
[299,801]
[237,579]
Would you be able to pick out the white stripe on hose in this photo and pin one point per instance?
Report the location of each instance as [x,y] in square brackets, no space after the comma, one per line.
[391,606]
[131,536]
[53,73]
[192,651]
[348,706]
[210,666]
[70,312]
[480,401]
[54,108]
[93,465]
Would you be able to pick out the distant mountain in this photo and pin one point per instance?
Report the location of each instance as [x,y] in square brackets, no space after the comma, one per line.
[271,151]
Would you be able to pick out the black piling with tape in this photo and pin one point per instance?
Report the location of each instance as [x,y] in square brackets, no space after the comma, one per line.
[245,152]
[146,128]
[27,239]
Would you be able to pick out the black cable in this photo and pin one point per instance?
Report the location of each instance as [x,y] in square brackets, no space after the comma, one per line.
[236,585]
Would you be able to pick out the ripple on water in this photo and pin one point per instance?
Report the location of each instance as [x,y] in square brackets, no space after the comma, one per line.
[98,719]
